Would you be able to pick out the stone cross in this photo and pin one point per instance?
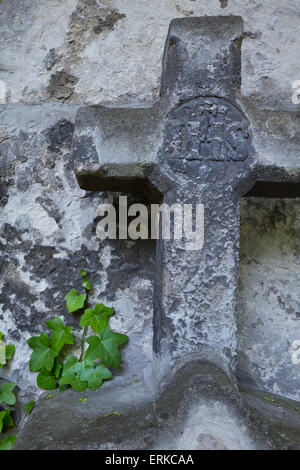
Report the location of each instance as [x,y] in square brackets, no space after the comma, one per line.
[193,147]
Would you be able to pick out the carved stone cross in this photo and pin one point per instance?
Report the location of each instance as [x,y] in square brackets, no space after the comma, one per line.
[192,147]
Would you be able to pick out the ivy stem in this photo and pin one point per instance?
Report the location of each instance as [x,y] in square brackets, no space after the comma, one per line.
[85,328]
[82,341]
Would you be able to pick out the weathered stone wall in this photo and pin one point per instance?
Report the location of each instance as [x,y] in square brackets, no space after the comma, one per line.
[269,296]
[110,51]
[58,55]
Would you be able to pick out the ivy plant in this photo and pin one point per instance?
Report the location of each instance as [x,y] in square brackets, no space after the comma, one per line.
[7,396]
[98,353]
[6,351]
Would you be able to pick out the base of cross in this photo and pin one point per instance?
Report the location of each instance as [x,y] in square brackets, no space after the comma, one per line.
[201,409]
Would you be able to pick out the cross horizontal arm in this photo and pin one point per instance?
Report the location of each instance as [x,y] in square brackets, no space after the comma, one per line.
[116,148]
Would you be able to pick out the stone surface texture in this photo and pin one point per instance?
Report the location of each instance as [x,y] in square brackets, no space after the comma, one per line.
[201,409]
[269,296]
[110,51]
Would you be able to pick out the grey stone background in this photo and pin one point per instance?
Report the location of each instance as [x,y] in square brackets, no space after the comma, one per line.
[57,55]
[109,52]
[269,294]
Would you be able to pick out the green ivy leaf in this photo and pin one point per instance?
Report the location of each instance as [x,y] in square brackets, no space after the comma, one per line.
[97,318]
[43,356]
[2,353]
[74,300]
[95,376]
[58,370]
[106,347]
[6,444]
[28,407]
[5,419]
[46,380]
[71,374]
[83,273]
[86,284]
[70,362]
[6,394]
[6,351]
[61,334]
[63,388]
[9,350]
